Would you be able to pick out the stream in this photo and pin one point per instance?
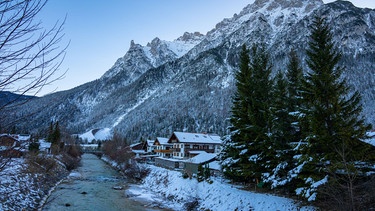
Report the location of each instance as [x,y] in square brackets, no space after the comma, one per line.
[91,188]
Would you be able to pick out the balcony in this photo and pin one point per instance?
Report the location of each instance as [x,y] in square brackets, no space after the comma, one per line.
[165,151]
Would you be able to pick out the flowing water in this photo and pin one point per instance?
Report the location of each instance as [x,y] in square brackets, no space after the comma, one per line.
[92,189]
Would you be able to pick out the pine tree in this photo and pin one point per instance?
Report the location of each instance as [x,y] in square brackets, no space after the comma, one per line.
[335,123]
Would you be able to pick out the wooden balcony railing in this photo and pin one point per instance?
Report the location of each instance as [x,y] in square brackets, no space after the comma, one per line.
[164,150]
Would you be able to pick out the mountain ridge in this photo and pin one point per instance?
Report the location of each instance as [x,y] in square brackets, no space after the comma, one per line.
[153,91]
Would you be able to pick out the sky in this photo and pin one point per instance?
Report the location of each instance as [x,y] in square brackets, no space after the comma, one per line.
[99,32]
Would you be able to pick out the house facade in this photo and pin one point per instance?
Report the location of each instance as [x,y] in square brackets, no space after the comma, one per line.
[163,148]
[149,146]
[9,146]
[184,145]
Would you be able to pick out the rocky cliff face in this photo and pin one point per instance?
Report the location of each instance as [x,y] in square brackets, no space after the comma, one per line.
[186,84]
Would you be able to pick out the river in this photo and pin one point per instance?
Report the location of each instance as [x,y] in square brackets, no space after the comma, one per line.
[92,189]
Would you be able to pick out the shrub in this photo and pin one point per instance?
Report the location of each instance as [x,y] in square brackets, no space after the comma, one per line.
[135,172]
[192,205]
[40,163]
[69,161]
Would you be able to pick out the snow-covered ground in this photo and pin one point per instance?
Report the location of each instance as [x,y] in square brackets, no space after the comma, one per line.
[169,189]
[23,187]
[17,190]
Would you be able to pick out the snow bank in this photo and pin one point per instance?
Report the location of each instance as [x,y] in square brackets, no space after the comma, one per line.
[166,184]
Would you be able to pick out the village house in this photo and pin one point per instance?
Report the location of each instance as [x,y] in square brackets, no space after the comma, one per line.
[163,148]
[23,138]
[9,146]
[137,149]
[187,145]
[174,152]
[202,159]
[44,146]
[149,146]
[8,141]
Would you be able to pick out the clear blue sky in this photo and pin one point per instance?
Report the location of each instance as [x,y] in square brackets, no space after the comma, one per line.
[100,31]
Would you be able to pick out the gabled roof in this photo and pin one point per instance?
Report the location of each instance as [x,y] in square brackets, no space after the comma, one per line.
[196,138]
[150,142]
[136,146]
[161,141]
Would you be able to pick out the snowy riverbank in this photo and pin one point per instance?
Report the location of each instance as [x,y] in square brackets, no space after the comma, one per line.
[25,187]
[168,189]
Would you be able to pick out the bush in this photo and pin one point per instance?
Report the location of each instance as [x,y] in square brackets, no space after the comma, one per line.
[40,163]
[74,151]
[34,146]
[192,205]
[69,161]
[335,196]
[135,172]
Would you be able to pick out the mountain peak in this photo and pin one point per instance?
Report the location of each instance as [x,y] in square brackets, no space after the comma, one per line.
[192,93]
[187,36]
[272,4]
[156,41]
[132,43]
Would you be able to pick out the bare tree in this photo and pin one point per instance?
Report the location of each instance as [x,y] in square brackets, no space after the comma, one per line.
[30,56]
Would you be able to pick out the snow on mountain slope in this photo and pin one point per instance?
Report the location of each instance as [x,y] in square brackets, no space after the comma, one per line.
[269,16]
[187,84]
[96,134]
[160,51]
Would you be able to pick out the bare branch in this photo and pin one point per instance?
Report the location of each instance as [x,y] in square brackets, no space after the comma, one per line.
[30,57]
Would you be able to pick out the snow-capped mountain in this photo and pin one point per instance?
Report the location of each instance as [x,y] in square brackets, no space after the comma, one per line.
[187,84]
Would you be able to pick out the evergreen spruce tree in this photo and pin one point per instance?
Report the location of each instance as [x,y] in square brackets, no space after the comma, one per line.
[281,131]
[245,154]
[294,76]
[54,136]
[279,153]
[261,148]
[232,157]
[333,115]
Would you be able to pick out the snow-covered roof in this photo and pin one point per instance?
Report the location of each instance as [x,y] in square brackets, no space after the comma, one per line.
[139,151]
[44,144]
[215,165]
[162,141]
[202,158]
[17,137]
[150,142]
[135,144]
[23,137]
[196,152]
[197,138]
